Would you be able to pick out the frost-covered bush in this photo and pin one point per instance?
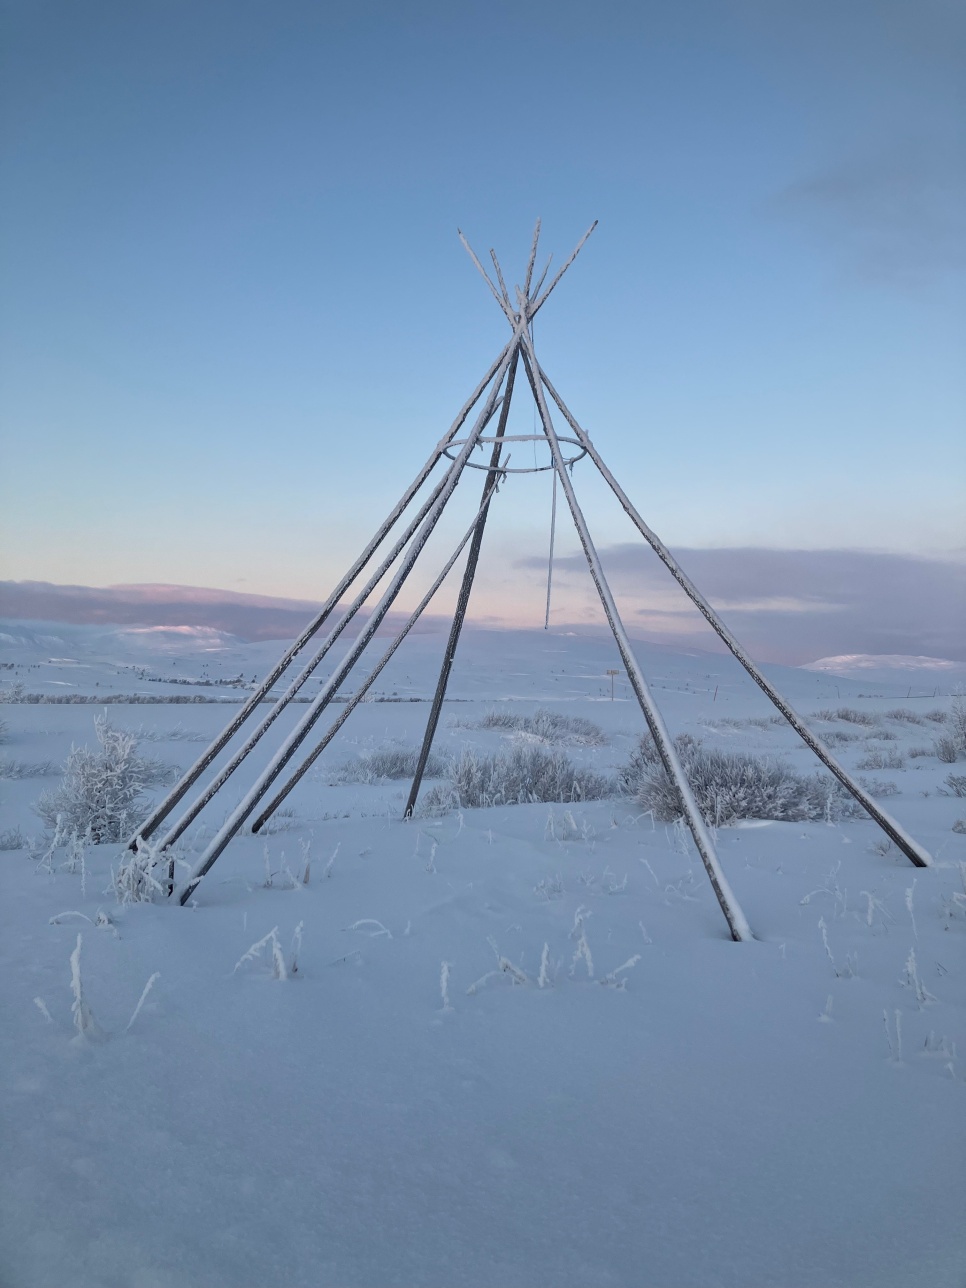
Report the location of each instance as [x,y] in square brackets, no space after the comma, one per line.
[12,769]
[849,714]
[730,785]
[957,719]
[549,726]
[138,876]
[390,762]
[13,839]
[515,776]
[907,716]
[101,795]
[946,748]
[956,784]
[879,787]
[882,758]
[835,737]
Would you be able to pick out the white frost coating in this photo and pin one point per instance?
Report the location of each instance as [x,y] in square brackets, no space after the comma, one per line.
[296,947]
[41,1006]
[582,951]
[534,309]
[256,949]
[84,1021]
[613,978]
[371,921]
[911,848]
[141,1000]
[737,922]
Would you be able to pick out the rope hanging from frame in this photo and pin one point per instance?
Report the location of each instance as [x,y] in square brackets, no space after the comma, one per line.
[553,529]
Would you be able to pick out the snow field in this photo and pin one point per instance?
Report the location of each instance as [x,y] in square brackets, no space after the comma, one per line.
[442,1093]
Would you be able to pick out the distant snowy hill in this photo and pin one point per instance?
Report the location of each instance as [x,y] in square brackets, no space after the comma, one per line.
[60,658]
[894,668]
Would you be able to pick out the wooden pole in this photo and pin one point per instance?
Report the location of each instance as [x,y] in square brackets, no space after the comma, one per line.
[909,847]
[531,261]
[469,572]
[534,309]
[737,922]
[553,533]
[499,277]
[188,817]
[291,744]
[505,306]
[191,775]
[270,809]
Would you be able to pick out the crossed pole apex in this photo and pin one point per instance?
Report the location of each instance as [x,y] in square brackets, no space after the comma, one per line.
[528,304]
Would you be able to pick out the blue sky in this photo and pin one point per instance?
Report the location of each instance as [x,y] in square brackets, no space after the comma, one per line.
[236,314]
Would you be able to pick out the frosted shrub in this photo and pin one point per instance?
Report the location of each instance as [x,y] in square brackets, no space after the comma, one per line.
[905,715]
[13,769]
[882,758]
[549,726]
[850,715]
[957,720]
[733,785]
[390,762]
[101,795]
[137,877]
[946,748]
[516,776]
[956,784]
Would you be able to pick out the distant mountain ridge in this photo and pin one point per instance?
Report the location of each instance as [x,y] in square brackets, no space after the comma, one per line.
[248,617]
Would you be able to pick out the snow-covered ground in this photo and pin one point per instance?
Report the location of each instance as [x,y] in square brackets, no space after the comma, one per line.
[519,1047]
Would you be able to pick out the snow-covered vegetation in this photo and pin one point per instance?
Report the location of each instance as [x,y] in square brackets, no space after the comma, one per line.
[509,1045]
[102,793]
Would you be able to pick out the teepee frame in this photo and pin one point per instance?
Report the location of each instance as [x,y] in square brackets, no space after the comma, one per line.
[496,391]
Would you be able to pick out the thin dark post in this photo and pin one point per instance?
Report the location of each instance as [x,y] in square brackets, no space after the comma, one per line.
[469,572]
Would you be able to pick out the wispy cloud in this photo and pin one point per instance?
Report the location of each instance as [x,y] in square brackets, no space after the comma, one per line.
[786,605]
[896,216]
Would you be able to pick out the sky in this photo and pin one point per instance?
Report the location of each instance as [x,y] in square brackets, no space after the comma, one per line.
[236,315]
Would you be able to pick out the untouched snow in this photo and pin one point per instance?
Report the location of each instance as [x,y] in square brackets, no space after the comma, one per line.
[709,1114]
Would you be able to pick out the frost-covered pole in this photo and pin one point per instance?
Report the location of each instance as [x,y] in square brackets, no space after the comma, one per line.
[910,847]
[504,304]
[737,923]
[534,309]
[469,572]
[192,774]
[531,261]
[383,662]
[291,744]
[188,817]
